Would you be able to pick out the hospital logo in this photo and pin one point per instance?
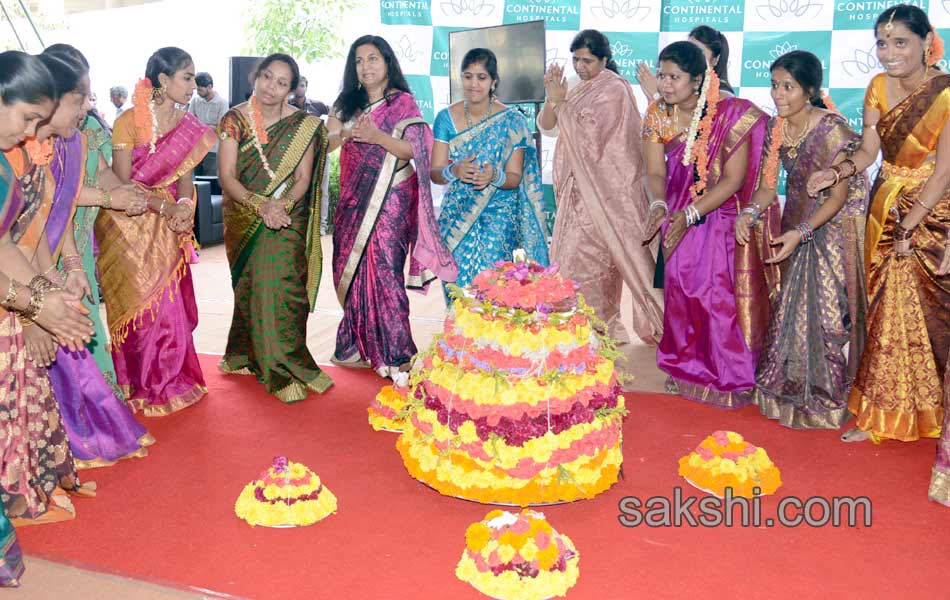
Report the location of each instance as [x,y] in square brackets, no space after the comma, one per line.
[631,49]
[556,14]
[862,14]
[684,15]
[760,49]
[405,12]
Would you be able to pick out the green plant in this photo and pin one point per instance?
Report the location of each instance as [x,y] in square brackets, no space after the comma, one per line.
[304,29]
[334,192]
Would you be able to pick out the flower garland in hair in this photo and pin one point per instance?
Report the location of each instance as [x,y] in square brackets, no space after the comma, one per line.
[40,153]
[700,130]
[826,98]
[144,111]
[936,49]
[258,132]
[771,161]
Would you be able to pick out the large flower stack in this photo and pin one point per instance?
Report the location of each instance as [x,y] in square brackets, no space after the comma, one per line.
[517,401]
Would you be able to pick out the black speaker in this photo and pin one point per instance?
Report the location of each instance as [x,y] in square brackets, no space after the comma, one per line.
[241,68]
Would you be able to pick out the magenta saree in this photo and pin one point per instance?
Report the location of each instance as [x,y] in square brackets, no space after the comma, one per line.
[716,298]
[146,278]
[385,215]
[100,427]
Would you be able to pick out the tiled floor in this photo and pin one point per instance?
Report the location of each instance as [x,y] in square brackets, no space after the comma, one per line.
[50,581]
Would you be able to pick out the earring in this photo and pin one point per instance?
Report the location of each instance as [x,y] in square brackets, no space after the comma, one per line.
[359,85]
[927,52]
[159,93]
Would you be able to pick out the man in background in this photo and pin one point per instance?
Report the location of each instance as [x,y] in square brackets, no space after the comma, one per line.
[313,107]
[210,107]
[119,96]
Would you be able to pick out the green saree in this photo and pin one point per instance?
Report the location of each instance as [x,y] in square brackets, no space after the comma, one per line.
[275,274]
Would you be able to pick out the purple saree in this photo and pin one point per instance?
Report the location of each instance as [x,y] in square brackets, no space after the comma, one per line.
[385,215]
[715,293]
[100,427]
[146,278]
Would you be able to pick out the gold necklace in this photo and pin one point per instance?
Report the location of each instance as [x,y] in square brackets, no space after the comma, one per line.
[791,146]
[906,92]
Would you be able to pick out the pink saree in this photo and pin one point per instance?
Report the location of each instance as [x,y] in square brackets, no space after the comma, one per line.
[384,216]
[146,279]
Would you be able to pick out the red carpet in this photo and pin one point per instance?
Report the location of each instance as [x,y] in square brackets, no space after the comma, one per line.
[169,517]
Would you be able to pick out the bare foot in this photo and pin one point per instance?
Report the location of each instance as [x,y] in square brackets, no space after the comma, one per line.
[855,435]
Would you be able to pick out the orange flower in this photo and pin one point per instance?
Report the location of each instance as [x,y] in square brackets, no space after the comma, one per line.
[258,120]
[140,100]
[40,153]
[700,154]
[476,536]
[771,163]
[936,49]
[826,98]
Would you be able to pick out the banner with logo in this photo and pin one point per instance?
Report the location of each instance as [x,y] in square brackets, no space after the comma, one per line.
[839,32]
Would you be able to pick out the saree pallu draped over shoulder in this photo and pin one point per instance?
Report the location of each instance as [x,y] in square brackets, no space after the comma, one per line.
[716,292]
[100,427]
[481,227]
[898,392]
[146,278]
[383,217]
[275,273]
[816,336]
[35,459]
[601,206]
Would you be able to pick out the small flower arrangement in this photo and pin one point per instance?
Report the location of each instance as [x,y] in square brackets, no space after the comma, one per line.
[725,460]
[288,494]
[518,556]
[387,411]
[527,286]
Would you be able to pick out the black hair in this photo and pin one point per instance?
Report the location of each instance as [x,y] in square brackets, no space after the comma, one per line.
[598,44]
[25,78]
[688,57]
[912,17]
[203,79]
[352,95]
[719,46]
[485,57]
[67,73]
[70,52]
[805,68]
[279,57]
[168,60]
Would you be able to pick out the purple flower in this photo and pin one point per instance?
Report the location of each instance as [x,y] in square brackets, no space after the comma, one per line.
[280,464]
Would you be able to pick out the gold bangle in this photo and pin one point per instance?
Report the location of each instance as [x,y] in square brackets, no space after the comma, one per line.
[10,299]
[106,200]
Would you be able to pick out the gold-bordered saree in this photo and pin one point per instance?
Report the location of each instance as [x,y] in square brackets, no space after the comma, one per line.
[898,392]
[275,274]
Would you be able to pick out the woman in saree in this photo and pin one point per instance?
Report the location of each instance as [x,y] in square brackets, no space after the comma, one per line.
[715,48]
[100,427]
[484,152]
[144,259]
[384,214]
[271,164]
[36,465]
[898,391]
[940,475]
[601,207]
[702,156]
[816,334]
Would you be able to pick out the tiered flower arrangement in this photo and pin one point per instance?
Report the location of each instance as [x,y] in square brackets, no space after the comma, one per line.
[517,401]
[518,557]
[725,460]
[288,494]
[387,412]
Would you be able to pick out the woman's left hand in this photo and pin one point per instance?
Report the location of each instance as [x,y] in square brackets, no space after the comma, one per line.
[365,131]
[674,233]
[944,267]
[273,214]
[78,284]
[788,242]
[179,217]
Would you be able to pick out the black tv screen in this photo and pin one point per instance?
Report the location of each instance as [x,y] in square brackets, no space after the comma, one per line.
[520,50]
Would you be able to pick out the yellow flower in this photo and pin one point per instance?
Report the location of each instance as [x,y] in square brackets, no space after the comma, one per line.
[529,551]
[468,433]
[505,553]
[476,536]
[547,557]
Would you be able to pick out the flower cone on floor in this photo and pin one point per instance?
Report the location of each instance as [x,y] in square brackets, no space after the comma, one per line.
[286,495]
[387,411]
[518,557]
[516,402]
[725,460]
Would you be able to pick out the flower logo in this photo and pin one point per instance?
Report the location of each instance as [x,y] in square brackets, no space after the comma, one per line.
[627,9]
[470,7]
[553,58]
[405,49]
[621,50]
[946,6]
[787,8]
[783,48]
[863,63]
